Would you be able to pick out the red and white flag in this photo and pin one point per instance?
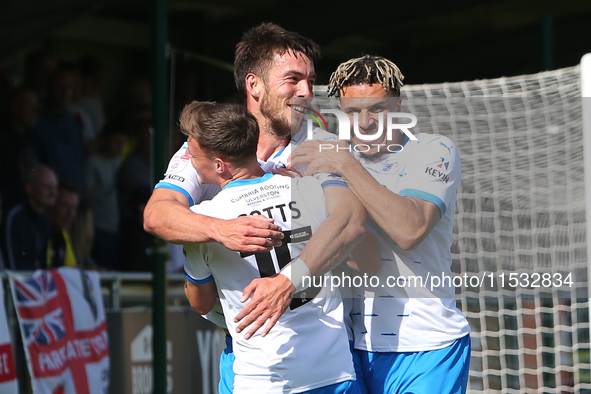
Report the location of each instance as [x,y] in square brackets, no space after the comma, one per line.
[8,382]
[64,332]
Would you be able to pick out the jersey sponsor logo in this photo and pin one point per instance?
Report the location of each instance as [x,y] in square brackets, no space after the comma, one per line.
[185,157]
[177,178]
[442,177]
[301,234]
[441,164]
[260,194]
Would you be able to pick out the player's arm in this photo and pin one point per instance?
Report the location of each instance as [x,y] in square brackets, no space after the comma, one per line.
[202,297]
[338,234]
[365,257]
[167,216]
[200,287]
[329,246]
[407,220]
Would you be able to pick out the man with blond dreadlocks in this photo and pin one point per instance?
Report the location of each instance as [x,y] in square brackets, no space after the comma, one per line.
[408,339]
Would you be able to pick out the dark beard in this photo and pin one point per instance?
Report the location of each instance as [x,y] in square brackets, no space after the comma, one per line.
[280,126]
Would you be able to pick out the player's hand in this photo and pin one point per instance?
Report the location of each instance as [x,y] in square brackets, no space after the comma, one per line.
[270,298]
[256,233]
[287,172]
[326,160]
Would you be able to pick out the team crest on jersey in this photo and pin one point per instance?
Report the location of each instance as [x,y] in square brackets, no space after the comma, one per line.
[179,164]
[280,165]
[392,167]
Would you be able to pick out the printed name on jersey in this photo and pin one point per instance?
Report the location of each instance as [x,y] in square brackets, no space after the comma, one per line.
[295,213]
[177,178]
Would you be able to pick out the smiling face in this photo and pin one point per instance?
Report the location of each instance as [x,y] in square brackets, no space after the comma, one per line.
[290,76]
[369,102]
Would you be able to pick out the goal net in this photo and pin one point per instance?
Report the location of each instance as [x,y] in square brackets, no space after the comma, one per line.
[519,225]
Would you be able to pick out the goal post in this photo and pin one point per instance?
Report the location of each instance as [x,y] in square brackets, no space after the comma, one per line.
[586,106]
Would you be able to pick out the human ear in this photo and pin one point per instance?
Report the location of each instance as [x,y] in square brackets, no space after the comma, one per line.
[220,166]
[253,85]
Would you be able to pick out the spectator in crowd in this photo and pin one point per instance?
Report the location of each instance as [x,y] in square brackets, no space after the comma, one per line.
[138,93]
[101,176]
[17,155]
[82,235]
[88,131]
[91,80]
[137,245]
[38,67]
[58,135]
[60,251]
[130,122]
[136,170]
[28,224]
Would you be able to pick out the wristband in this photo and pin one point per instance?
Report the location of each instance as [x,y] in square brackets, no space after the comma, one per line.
[296,271]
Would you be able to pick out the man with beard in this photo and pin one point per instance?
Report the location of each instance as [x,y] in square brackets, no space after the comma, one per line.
[272,66]
[407,340]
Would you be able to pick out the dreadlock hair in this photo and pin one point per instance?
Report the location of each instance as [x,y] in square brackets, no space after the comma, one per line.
[366,70]
[255,52]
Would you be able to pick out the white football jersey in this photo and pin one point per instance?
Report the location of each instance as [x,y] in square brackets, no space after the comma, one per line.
[181,176]
[308,347]
[407,316]
[184,178]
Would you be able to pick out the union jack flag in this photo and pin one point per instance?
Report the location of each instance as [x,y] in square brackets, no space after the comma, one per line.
[35,291]
[49,305]
[45,330]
